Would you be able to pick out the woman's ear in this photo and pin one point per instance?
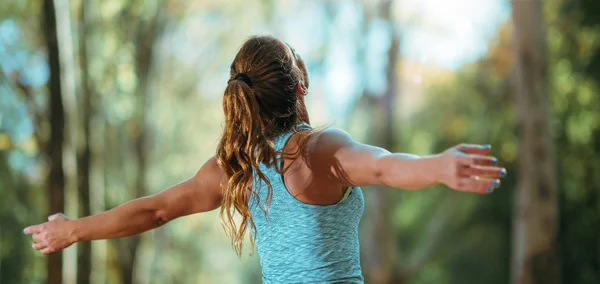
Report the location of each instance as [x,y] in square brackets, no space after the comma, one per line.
[300,89]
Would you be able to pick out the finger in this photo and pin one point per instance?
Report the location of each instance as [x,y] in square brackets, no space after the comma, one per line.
[474,148]
[478,185]
[47,250]
[55,216]
[39,246]
[482,171]
[468,160]
[37,237]
[33,229]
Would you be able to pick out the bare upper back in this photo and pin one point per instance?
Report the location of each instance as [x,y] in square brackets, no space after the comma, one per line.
[306,174]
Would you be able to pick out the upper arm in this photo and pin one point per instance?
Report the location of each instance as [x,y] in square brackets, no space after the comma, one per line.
[335,153]
[200,193]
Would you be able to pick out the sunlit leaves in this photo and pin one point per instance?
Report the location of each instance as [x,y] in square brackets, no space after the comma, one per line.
[110,44]
[126,78]
[564,81]
[508,151]
[110,9]
[580,126]
[5,142]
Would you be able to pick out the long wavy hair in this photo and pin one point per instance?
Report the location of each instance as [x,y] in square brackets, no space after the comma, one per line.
[259,103]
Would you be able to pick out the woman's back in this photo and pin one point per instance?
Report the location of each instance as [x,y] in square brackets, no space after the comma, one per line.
[305,243]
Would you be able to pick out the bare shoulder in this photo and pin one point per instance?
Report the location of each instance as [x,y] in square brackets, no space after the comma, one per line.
[214,166]
[324,147]
[211,168]
[211,177]
[328,140]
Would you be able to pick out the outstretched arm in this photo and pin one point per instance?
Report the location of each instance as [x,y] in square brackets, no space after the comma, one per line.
[462,168]
[200,193]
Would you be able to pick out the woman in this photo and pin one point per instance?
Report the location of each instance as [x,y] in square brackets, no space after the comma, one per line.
[296,189]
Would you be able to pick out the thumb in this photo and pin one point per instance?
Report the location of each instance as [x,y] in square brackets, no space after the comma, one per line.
[56,216]
[474,149]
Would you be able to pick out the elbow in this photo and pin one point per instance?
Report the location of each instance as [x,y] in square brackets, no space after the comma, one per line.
[393,170]
[382,172]
[160,212]
[381,177]
[160,218]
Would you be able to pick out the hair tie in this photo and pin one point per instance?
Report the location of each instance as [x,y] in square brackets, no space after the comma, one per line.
[244,77]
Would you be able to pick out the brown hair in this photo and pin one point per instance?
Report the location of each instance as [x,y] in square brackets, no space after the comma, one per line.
[259,103]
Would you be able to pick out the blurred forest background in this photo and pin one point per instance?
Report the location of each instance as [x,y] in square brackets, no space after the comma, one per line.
[103,101]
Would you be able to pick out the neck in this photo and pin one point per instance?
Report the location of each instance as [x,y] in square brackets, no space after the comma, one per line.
[303,113]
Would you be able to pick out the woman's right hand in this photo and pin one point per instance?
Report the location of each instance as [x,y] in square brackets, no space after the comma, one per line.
[467,168]
[52,236]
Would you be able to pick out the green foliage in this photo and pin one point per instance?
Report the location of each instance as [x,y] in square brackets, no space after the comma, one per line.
[12,257]
[22,72]
[576,104]
[476,106]
[442,236]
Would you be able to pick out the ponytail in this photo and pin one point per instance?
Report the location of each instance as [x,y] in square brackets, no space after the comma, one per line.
[260,103]
[243,146]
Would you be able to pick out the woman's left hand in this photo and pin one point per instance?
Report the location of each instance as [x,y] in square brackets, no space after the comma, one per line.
[467,168]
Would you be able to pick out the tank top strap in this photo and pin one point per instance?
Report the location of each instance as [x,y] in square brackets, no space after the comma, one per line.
[283,138]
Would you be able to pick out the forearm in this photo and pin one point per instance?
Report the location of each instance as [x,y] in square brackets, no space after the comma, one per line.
[407,171]
[131,218]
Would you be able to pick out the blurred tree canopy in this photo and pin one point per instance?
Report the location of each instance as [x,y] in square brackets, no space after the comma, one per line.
[142,85]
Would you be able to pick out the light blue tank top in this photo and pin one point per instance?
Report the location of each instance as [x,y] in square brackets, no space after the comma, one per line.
[304,243]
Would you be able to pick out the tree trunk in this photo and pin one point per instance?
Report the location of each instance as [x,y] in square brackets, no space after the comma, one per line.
[84,249]
[54,149]
[146,35]
[534,257]
[379,262]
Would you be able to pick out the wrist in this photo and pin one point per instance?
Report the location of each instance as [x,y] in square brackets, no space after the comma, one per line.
[72,231]
[435,166]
